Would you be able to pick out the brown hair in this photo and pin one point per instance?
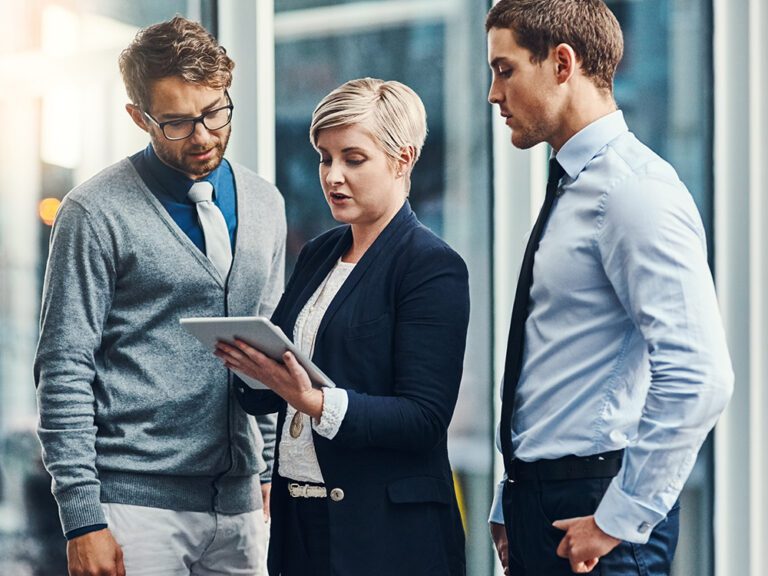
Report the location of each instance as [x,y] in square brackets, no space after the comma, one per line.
[587,26]
[177,47]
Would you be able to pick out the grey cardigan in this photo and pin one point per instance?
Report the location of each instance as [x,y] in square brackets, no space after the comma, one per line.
[133,409]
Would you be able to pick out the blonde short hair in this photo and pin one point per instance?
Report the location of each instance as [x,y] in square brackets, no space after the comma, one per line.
[393,113]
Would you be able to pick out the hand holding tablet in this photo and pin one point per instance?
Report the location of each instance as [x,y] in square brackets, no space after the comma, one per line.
[257,331]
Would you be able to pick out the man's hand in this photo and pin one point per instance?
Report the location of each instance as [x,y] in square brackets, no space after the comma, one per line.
[584,543]
[95,554]
[499,536]
[266,490]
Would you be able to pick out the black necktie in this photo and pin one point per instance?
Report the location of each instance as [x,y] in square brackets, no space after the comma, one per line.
[515,344]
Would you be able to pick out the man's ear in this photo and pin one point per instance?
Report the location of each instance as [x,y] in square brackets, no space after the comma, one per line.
[566,62]
[137,116]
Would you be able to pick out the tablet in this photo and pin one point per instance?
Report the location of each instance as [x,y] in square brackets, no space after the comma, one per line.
[257,331]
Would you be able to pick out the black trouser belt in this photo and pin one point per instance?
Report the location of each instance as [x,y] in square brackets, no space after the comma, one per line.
[605,465]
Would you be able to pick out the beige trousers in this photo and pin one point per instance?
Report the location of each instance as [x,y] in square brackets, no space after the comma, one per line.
[169,543]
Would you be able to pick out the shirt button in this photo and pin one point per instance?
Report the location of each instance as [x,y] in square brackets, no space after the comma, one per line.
[337,494]
[618,437]
[644,527]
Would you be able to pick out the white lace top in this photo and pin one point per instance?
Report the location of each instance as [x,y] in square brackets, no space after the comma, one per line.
[298,460]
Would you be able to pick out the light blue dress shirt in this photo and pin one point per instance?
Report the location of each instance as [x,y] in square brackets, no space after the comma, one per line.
[171,188]
[624,345]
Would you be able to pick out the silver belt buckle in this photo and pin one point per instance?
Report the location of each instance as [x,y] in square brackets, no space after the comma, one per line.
[297,490]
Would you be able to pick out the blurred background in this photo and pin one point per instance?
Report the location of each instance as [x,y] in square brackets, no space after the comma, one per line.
[691,86]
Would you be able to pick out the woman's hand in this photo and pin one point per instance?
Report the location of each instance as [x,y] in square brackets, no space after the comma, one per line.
[288,380]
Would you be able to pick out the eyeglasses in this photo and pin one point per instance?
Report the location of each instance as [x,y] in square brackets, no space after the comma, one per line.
[183,128]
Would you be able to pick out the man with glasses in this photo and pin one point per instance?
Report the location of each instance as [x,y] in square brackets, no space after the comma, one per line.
[155,467]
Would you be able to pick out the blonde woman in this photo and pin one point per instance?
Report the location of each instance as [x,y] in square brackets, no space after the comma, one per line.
[363,482]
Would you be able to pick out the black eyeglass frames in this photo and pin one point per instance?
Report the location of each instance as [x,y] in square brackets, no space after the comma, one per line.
[183,128]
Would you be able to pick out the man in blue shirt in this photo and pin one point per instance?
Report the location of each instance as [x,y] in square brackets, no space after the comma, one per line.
[156,469]
[617,365]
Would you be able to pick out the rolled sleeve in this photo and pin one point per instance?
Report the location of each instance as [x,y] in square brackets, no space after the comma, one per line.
[335,403]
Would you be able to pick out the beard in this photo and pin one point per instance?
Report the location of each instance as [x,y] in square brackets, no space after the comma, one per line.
[180,157]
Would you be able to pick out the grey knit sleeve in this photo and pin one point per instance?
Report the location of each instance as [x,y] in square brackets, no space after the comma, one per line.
[275,283]
[76,298]
[267,424]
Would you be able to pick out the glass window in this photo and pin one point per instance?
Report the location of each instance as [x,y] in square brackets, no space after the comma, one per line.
[288,5]
[665,86]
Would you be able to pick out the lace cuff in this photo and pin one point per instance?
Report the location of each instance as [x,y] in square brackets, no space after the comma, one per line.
[335,403]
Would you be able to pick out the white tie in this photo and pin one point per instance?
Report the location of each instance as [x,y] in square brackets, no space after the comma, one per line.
[217,245]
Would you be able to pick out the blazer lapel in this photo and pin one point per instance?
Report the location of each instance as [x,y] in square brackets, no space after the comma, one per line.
[404,215]
[316,277]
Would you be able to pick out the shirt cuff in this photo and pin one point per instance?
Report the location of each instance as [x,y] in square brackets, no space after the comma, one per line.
[335,404]
[80,507]
[621,516]
[497,510]
[84,530]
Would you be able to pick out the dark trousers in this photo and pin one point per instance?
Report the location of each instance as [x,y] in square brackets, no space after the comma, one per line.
[531,506]
[307,544]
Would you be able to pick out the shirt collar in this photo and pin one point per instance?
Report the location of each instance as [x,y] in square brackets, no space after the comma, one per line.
[174,182]
[587,142]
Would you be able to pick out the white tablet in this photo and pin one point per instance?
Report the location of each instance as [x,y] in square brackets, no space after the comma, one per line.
[257,331]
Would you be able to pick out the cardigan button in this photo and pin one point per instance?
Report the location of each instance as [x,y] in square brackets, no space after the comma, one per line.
[337,494]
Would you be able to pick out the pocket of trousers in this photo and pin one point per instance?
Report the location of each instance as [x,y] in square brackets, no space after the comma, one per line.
[564,499]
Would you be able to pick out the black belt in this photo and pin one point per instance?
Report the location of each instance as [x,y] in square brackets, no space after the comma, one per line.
[605,465]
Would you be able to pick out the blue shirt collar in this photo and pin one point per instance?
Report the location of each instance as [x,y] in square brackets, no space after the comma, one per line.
[586,143]
[175,183]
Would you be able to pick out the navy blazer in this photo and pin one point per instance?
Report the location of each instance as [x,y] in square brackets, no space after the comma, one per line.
[394,338]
